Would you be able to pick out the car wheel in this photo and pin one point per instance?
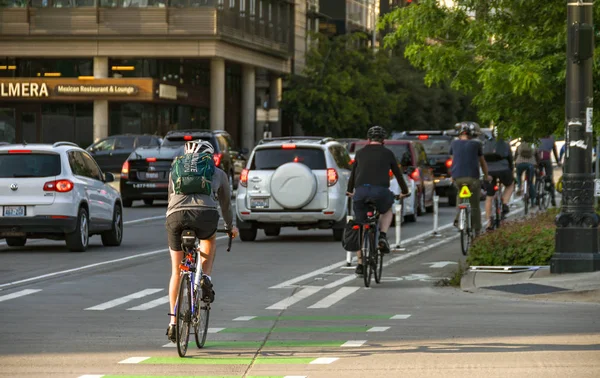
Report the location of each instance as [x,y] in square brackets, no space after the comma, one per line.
[248,234]
[16,242]
[77,241]
[127,202]
[272,231]
[113,237]
[148,202]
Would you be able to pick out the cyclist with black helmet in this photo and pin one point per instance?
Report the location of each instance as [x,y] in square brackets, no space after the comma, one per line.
[467,158]
[197,212]
[370,180]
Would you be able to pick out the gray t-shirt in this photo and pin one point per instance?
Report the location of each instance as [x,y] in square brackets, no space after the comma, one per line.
[221,193]
[465,158]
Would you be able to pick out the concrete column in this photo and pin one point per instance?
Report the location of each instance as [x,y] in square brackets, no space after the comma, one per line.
[100,106]
[217,94]
[249,107]
[275,90]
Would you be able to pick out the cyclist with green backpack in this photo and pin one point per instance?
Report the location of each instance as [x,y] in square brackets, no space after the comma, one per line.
[526,159]
[195,186]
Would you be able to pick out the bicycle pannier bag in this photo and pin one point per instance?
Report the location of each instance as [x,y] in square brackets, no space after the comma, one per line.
[351,238]
[525,150]
[192,174]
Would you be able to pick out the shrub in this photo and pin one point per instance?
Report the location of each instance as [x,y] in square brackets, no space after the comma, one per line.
[526,241]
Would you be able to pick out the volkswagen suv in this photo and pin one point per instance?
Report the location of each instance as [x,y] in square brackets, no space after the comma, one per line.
[56,192]
[293,182]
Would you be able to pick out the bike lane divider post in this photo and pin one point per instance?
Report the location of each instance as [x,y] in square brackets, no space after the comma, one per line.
[398,218]
[436,204]
[349,218]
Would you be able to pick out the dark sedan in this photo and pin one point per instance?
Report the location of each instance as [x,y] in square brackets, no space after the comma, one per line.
[110,153]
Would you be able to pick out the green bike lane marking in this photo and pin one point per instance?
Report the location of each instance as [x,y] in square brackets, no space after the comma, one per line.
[348,329]
[260,360]
[270,343]
[324,317]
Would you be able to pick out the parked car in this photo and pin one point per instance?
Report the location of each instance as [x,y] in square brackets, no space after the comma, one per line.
[239,163]
[220,140]
[57,191]
[110,153]
[413,160]
[437,147]
[293,182]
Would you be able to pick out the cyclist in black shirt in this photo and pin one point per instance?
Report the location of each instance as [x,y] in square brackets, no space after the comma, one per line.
[370,180]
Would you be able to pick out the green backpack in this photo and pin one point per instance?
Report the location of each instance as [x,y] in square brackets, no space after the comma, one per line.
[192,174]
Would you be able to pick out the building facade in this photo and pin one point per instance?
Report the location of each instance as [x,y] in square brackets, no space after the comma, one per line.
[81,70]
[349,16]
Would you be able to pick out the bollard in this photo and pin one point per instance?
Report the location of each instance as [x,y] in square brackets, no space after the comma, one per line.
[398,215]
[349,217]
[436,204]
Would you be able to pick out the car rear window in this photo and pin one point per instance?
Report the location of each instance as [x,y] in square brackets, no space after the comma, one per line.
[180,141]
[272,158]
[436,146]
[29,165]
[398,149]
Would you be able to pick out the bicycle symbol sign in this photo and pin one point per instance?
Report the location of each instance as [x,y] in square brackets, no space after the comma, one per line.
[465,192]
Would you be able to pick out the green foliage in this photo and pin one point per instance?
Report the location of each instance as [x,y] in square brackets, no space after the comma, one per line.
[528,241]
[346,88]
[511,57]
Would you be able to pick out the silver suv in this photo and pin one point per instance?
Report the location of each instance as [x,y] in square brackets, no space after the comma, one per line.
[293,182]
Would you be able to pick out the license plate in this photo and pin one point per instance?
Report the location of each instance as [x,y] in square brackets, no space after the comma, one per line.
[152,175]
[140,186]
[14,211]
[259,203]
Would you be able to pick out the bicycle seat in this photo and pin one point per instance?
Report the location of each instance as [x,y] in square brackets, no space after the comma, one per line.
[188,239]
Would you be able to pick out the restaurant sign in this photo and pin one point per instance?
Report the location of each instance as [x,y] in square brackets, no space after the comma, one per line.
[23,89]
[92,89]
[76,89]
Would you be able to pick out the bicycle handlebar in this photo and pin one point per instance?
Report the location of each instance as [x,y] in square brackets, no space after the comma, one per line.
[228,232]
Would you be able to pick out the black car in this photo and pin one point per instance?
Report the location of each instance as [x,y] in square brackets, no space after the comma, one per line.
[145,174]
[437,147]
[111,152]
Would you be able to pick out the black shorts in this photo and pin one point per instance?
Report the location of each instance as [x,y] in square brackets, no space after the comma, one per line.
[379,195]
[203,222]
[505,177]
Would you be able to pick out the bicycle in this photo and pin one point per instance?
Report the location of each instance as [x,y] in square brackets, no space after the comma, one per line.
[371,255]
[525,186]
[543,187]
[497,204]
[191,309]
[464,219]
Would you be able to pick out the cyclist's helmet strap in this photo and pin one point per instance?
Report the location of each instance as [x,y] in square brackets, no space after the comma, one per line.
[376,133]
[198,146]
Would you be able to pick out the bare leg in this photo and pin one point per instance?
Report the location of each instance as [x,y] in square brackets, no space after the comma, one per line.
[488,209]
[208,248]
[176,257]
[385,220]
[508,191]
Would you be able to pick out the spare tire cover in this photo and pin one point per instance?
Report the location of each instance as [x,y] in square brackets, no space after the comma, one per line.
[293,185]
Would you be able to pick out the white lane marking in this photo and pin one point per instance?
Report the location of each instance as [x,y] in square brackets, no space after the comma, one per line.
[400,317]
[243,318]
[295,376]
[335,297]
[378,329]
[18,294]
[151,304]
[134,360]
[214,330]
[288,283]
[144,219]
[439,264]
[323,361]
[341,281]
[125,299]
[300,295]
[92,376]
[145,254]
[354,343]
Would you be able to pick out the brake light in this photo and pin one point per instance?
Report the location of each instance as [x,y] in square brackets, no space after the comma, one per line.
[423,137]
[19,151]
[61,186]
[415,175]
[244,177]
[125,170]
[352,161]
[496,187]
[187,137]
[449,163]
[332,177]
[288,146]
[217,158]
[391,173]
[151,160]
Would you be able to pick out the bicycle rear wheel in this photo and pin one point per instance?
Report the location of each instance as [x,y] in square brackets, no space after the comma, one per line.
[498,206]
[377,262]
[366,257]
[183,314]
[465,239]
[201,319]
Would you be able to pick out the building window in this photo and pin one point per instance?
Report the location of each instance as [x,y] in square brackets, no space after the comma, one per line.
[13,3]
[16,67]
[8,128]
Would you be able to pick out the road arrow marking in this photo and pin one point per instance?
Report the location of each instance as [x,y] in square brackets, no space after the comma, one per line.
[439,264]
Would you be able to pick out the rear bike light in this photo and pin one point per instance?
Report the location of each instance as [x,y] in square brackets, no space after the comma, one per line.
[60,186]
[496,187]
[217,158]
[125,170]
[415,175]
[449,163]
[244,177]
[370,214]
[332,177]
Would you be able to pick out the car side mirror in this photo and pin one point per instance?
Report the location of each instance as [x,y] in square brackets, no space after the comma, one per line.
[109,177]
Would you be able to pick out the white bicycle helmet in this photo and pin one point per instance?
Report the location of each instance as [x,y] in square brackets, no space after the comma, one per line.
[198,146]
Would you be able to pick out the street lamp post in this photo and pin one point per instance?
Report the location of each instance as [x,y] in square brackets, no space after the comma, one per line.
[577,224]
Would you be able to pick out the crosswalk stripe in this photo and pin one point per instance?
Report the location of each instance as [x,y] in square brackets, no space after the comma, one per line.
[324,361]
[243,318]
[151,304]
[92,376]
[335,297]
[378,329]
[134,360]
[400,316]
[300,295]
[215,330]
[354,343]
[18,294]
[125,299]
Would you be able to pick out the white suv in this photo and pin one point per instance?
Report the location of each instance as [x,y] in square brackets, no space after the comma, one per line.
[293,182]
[56,192]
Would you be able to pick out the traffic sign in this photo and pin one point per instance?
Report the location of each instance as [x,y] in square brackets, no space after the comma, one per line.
[465,192]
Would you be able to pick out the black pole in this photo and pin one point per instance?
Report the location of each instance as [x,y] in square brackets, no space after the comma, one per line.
[577,224]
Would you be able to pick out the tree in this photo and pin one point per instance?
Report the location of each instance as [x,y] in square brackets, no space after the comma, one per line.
[510,55]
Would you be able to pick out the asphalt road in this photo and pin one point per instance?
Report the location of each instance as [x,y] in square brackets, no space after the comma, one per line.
[285,306]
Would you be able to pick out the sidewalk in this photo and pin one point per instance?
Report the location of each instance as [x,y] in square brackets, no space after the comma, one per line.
[537,283]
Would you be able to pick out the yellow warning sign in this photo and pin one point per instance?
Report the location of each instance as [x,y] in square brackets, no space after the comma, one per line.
[464,192]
